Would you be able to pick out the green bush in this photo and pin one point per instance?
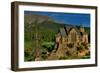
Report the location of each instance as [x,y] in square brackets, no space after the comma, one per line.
[80,48]
[28,56]
[49,46]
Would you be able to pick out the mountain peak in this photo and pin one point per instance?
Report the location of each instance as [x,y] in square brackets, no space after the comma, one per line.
[31,18]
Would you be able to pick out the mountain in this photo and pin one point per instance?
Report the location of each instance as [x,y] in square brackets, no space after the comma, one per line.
[40,21]
[31,18]
[45,26]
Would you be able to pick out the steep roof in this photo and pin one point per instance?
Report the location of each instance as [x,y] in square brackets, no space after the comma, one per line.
[69,28]
[63,32]
[66,30]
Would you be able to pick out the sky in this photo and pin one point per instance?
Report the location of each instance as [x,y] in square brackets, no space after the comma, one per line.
[66,18]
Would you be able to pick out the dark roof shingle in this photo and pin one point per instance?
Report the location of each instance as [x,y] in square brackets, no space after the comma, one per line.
[63,32]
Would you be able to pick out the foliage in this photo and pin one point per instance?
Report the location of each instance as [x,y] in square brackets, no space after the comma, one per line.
[49,46]
[80,48]
[85,57]
[28,56]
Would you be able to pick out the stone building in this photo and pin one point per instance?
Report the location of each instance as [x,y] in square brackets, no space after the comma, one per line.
[68,38]
[67,41]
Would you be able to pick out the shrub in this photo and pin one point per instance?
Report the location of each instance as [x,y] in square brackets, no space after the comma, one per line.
[48,46]
[29,56]
[81,47]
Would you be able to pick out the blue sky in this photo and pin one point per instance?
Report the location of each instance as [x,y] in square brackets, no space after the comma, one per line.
[66,18]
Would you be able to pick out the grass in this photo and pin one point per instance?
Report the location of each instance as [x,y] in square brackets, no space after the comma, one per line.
[28,50]
[86,57]
[28,44]
[51,43]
